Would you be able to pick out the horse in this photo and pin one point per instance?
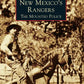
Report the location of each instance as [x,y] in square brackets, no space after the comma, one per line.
[44,67]
[58,56]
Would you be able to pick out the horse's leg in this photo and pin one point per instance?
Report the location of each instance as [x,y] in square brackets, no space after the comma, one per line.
[50,74]
[42,80]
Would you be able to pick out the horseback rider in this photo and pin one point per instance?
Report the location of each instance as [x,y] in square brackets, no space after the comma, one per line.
[10,52]
[10,38]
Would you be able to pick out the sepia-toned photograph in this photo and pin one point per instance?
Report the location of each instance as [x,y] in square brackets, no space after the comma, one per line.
[42,52]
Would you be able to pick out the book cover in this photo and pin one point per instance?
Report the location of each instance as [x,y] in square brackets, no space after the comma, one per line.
[41,41]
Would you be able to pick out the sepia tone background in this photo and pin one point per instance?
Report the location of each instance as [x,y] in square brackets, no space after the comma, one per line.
[41,37]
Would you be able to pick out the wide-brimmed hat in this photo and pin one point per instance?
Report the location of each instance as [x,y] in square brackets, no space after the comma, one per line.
[13,26]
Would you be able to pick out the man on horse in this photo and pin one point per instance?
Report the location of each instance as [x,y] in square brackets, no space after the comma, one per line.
[11,52]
